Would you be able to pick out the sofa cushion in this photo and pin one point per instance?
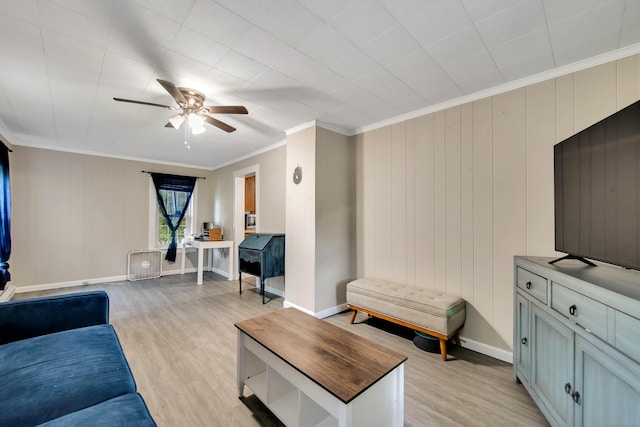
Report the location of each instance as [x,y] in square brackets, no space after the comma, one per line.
[52,375]
[33,317]
[121,411]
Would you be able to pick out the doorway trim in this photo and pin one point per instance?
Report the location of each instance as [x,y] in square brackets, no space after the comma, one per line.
[238,203]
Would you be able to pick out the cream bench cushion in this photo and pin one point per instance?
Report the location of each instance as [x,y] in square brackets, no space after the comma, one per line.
[435,313]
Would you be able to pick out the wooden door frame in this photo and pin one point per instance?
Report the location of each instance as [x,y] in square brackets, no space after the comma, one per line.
[238,203]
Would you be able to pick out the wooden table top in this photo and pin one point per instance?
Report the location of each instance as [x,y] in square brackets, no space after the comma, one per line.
[341,362]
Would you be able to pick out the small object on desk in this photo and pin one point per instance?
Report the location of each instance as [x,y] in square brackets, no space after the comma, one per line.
[214,233]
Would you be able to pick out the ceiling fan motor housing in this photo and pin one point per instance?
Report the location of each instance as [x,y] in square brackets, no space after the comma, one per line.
[195,100]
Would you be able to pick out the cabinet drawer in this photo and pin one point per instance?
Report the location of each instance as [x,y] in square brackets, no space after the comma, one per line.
[584,311]
[627,335]
[532,284]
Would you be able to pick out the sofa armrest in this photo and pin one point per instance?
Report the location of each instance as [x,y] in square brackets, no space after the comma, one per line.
[40,316]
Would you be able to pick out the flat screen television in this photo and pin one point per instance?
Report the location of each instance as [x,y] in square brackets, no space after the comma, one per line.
[597,191]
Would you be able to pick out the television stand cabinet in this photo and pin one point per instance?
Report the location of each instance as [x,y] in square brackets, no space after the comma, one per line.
[577,341]
[309,372]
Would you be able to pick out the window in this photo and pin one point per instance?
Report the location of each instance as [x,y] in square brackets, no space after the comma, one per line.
[159,232]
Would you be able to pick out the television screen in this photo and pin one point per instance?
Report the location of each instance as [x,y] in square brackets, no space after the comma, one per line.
[597,191]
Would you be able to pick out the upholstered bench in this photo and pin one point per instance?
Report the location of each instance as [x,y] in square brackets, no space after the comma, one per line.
[431,312]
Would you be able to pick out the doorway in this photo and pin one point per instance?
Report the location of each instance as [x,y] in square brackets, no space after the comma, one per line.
[240,186]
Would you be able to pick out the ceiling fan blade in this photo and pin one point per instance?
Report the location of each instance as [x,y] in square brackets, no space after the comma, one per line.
[173,91]
[217,123]
[153,104]
[226,109]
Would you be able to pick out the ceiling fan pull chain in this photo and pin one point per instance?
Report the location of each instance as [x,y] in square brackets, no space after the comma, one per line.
[186,133]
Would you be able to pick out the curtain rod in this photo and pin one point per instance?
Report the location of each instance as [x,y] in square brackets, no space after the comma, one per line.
[7,147]
[196,177]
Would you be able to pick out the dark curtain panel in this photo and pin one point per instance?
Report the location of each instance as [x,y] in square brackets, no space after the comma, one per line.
[173,208]
[5,217]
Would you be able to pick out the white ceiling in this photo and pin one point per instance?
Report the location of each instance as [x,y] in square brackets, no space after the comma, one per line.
[347,63]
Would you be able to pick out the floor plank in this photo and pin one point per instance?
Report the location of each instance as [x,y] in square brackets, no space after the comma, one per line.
[180,341]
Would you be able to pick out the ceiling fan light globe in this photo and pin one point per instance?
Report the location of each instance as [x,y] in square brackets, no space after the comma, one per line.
[195,121]
[197,130]
[176,121]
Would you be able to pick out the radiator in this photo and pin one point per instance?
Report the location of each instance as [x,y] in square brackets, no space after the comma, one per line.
[144,264]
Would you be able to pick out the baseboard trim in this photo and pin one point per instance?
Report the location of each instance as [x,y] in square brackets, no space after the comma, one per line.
[331,311]
[174,272]
[71,284]
[85,282]
[7,294]
[289,304]
[487,350]
[320,314]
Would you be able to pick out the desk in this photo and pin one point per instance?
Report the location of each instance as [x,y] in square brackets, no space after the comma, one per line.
[201,245]
[309,372]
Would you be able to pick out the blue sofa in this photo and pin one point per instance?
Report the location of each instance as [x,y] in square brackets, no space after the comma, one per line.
[61,364]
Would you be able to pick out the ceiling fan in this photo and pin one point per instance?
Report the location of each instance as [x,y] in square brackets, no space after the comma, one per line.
[191,102]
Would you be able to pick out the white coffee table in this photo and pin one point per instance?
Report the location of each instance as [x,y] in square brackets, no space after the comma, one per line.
[309,372]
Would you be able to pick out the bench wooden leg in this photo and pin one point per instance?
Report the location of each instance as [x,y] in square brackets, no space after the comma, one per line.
[457,338]
[353,316]
[443,348]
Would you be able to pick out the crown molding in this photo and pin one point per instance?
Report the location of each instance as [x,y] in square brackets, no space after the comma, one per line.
[321,124]
[506,87]
[252,154]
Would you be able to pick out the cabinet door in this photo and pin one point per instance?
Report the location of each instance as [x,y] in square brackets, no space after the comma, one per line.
[609,387]
[523,340]
[552,366]
[250,194]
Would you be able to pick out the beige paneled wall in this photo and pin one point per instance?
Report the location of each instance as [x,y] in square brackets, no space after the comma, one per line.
[75,217]
[272,191]
[300,260]
[334,219]
[446,200]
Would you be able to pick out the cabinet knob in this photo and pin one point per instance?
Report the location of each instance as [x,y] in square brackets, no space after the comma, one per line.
[528,285]
[573,310]
[524,341]
[567,388]
[576,397]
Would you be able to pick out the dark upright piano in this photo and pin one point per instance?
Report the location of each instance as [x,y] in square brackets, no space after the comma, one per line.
[262,255]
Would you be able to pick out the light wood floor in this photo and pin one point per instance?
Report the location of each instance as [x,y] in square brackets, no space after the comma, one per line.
[180,341]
